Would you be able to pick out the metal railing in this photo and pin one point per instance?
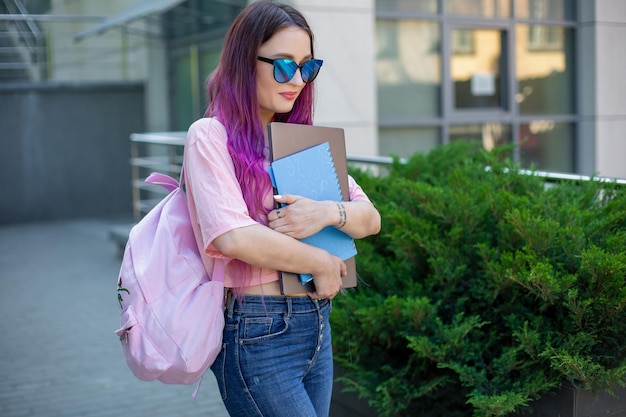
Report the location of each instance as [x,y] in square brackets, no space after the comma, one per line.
[548,176]
[28,43]
[178,139]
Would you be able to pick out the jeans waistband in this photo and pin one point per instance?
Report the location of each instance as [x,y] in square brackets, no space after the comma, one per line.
[273,304]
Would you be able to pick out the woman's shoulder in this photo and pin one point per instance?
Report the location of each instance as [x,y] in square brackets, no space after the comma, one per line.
[207,128]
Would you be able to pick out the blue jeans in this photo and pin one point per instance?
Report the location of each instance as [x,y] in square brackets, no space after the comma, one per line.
[276,358]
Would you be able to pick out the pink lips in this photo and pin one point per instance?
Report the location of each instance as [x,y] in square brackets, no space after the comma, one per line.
[289,95]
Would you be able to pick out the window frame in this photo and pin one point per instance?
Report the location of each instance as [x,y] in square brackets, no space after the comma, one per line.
[510,115]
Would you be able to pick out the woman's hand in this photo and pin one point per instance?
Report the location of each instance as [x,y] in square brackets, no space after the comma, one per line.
[328,280]
[301,217]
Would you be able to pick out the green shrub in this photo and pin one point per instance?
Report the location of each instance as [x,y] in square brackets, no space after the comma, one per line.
[485,289]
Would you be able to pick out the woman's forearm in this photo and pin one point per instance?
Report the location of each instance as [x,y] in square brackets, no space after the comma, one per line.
[302,217]
[358,219]
[262,247]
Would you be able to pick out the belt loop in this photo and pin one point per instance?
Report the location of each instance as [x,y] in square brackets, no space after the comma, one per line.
[230,303]
[289,301]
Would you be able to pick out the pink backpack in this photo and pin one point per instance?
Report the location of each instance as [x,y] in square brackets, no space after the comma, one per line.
[172,314]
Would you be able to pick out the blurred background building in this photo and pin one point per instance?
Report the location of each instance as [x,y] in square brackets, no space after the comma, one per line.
[400,76]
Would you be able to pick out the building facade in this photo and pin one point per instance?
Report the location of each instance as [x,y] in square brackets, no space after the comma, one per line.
[400,76]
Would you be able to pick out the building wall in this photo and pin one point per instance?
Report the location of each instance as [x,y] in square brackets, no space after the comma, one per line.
[66,150]
[115,55]
[119,54]
[347,87]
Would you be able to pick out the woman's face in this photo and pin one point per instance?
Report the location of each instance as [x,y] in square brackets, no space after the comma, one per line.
[293,43]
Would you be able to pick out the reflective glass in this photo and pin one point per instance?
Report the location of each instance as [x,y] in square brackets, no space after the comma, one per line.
[285,69]
[404,142]
[484,8]
[419,6]
[476,70]
[544,61]
[545,9]
[208,61]
[490,134]
[193,17]
[183,99]
[408,69]
[547,146]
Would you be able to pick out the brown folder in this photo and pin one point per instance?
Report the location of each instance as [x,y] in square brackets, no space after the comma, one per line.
[288,138]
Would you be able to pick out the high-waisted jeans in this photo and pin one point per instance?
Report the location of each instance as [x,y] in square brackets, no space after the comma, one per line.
[276,358]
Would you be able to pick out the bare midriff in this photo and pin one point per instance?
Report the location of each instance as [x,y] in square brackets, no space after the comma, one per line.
[268,289]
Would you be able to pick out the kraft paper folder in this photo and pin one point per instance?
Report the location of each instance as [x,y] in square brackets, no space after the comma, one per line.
[311,173]
[286,139]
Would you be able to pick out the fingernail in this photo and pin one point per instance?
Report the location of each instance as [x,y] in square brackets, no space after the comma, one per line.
[277,196]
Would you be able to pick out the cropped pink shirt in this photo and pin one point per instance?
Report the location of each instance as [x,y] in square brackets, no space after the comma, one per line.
[216,203]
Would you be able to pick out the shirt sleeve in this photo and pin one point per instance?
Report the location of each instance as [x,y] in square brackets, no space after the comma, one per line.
[356,192]
[216,203]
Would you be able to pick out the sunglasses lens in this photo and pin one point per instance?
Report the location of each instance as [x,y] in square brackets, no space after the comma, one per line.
[284,70]
[310,69]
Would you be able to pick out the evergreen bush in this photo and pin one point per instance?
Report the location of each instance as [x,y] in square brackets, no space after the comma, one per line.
[485,289]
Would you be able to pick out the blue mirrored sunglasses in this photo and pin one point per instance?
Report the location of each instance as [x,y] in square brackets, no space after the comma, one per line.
[285,69]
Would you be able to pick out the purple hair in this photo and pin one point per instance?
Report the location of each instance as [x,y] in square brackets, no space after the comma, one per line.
[233,97]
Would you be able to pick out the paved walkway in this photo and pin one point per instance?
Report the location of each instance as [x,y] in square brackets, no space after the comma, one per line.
[58,352]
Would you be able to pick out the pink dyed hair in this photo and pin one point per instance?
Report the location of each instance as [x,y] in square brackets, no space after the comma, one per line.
[233,96]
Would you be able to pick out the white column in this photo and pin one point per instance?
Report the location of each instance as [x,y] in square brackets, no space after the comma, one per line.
[610,87]
[346,87]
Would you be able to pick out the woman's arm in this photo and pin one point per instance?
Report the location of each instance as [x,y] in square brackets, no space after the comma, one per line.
[303,217]
[260,246]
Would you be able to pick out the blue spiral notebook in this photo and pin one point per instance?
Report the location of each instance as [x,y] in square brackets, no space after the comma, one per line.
[311,173]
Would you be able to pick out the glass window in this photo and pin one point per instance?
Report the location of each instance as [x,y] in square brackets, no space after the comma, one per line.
[477,69]
[38,6]
[485,8]
[544,60]
[421,6]
[479,73]
[193,17]
[490,134]
[183,100]
[404,142]
[408,69]
[545,9]
[547,146]
[208,62]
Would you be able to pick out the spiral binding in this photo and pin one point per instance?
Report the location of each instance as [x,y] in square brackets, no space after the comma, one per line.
[332,161]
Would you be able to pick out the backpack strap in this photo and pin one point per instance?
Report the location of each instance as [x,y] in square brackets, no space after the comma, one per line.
[163,180]
[166,181]
[181,178]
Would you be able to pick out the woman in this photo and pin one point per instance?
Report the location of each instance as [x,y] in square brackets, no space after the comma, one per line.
[277,357]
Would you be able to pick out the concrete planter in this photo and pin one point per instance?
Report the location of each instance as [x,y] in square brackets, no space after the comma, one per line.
[567,402]
[348,404]
[572,402]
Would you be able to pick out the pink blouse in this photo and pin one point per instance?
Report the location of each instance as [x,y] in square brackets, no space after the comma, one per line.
[216,203]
